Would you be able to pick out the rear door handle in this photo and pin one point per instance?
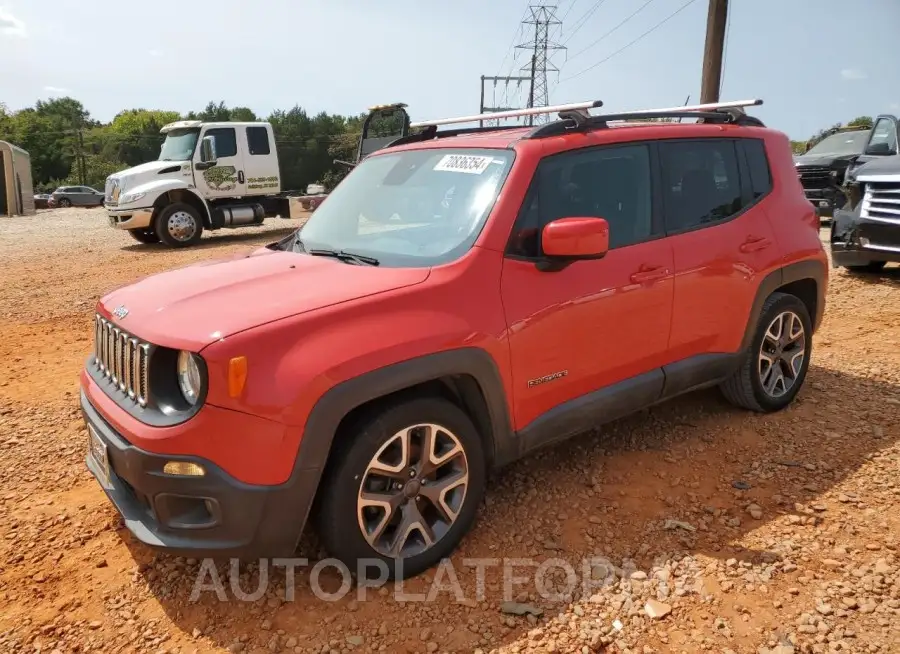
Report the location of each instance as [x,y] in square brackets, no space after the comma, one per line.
[755,243]
[240,176]
[648,274]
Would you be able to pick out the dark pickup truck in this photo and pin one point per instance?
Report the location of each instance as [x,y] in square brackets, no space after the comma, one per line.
[865,233]
[825,168]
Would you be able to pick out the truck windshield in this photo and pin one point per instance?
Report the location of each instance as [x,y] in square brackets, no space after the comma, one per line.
[842,143]
[179,145]
[412,208]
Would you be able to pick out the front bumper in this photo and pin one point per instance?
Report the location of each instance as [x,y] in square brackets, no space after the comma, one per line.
[130,218]
[857,241]
[212,515]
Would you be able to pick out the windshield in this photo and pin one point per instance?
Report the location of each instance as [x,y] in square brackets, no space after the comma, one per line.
[179,145]
[842,143]
[413,208]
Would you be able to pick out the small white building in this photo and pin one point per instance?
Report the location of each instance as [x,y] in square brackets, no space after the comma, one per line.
[16,188]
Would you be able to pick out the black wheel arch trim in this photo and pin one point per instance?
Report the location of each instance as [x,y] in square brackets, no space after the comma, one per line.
[781,277]
[325,418]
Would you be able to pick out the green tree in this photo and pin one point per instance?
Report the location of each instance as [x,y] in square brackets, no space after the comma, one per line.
[862,121]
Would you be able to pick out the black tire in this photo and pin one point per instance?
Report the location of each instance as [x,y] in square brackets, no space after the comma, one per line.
[144,235]
[65,203]
[338,516]
[745,388]
[871,267]
[182,211]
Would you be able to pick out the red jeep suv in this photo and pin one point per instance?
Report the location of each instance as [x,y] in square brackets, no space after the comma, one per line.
[463,297]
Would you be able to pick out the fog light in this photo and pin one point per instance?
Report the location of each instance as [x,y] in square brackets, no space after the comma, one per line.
[183,469]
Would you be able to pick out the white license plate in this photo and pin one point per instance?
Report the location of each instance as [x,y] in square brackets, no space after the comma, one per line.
[97,451]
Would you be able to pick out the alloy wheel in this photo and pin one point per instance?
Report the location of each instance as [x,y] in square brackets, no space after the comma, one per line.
[781,354]
[181,226]
[413,490]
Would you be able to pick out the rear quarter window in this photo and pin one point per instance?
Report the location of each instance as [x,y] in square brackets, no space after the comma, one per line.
[758,165]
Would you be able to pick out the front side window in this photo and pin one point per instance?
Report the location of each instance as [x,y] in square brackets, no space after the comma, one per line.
[226,142]
[179,145]
[884,137]
[612,183]
[701,183]
[412,208]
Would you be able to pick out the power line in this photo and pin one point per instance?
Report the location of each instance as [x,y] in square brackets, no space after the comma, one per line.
[515,38]
[631,43]
[583,20]
[569,10]
[583,50]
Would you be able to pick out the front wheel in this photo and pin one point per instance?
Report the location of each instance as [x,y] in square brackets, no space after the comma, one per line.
[404,490]
[65,203]
[144,235]
[776,362]
[179,225]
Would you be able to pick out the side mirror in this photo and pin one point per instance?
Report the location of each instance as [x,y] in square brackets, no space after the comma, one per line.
[208,149]
[574,239]
[880,149]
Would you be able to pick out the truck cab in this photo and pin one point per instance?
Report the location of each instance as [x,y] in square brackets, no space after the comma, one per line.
[822,167]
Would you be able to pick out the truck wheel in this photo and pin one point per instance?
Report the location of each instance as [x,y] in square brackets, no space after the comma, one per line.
[871,267]
[776,362]
[179,225]
[144,235]
[404,490]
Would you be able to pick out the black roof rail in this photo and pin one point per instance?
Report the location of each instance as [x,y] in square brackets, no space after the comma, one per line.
[715,113]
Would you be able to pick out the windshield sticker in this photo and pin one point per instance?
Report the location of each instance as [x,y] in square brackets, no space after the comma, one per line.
[464,163]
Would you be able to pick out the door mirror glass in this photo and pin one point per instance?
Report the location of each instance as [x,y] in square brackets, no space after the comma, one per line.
[575,238]
[208,149]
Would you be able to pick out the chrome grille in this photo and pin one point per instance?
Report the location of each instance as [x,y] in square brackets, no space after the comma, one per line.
[814,177]
[881,202]
[123,359]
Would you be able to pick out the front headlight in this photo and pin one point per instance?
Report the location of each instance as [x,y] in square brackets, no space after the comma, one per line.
[190,381]
[128,198]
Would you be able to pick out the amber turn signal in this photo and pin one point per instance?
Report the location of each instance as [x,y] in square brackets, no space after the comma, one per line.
[237,376]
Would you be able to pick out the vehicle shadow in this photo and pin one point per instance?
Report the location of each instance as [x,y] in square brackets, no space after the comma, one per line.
[696,460]
[889,276]
[215,240]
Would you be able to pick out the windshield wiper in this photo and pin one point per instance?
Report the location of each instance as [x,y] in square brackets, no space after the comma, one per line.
[343,255]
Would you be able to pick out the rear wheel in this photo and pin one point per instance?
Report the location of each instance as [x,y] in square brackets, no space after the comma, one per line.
[65,203]
[404,490]
[776,362]
[144,235]
[179,225]
[871,267]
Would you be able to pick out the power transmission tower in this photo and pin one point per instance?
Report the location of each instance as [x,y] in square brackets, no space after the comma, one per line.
[543,18]
[507,80]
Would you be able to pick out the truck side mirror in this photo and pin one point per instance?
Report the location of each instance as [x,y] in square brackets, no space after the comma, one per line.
[208,149]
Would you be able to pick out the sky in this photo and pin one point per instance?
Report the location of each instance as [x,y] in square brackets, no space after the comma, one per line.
[813,62]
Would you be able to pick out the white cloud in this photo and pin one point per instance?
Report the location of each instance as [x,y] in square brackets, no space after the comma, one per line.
[10,25]
[853,74]
[56,89]
[154,53]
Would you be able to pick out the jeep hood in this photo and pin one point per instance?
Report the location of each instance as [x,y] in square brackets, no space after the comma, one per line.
[191,307]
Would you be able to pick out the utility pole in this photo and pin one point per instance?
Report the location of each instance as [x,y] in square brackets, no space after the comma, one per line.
[543,17]
[82,167]
[716,21]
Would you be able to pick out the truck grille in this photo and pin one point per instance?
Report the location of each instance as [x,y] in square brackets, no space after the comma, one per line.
[881,202]
[814,177]
[123,359]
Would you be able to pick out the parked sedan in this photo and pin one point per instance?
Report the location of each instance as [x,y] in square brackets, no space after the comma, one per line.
[76,196]
[41,200]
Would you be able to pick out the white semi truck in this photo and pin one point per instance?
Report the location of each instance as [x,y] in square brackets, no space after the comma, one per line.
[215,175]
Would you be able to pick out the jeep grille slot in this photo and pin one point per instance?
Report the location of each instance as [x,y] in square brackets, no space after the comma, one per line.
[881,202]
[122,359]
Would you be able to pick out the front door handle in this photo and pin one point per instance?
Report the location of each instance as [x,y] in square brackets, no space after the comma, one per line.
[240,177]
[648,274]
[755,243]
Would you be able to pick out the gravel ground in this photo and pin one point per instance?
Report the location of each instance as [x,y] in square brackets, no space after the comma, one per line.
[705,528]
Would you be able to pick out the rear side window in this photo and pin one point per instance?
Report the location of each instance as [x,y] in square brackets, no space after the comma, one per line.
[758,165]
[226,143]
[610,182]
[258,140]
[701,182]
